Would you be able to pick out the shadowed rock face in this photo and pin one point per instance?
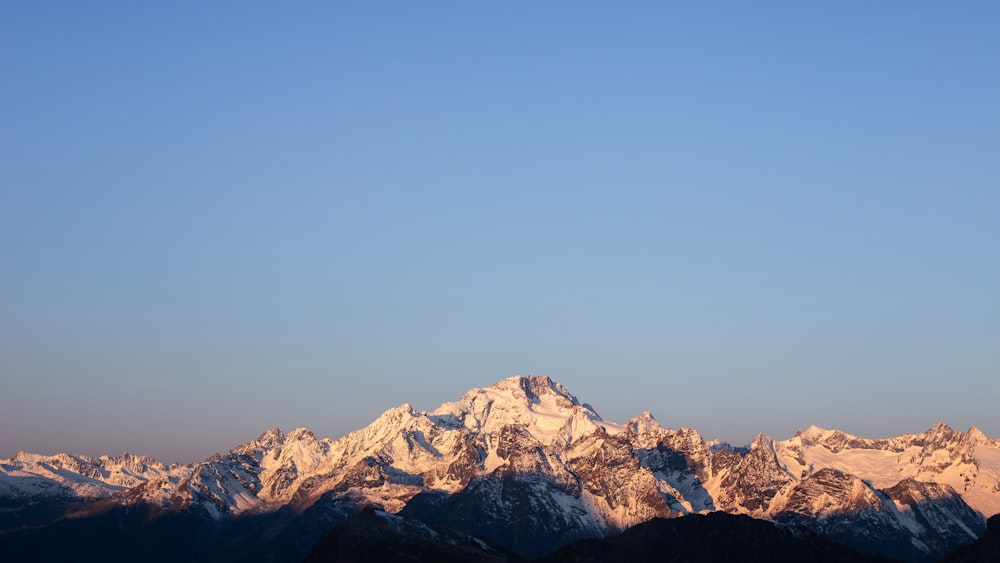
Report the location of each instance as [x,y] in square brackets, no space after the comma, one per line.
[830,492]
[751,480]
[912,521]
[843,508]
[986,549]
[938,512]
[521,513]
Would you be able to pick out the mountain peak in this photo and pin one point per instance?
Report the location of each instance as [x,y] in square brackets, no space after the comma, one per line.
[812,430]
[976,435]
[272,435]
[300,434]
[532,387]
[941,427]
[940,434]
[762,441]
[643,424]
[541,406]
[268,440]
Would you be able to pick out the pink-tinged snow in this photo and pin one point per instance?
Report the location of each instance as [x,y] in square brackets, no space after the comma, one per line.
[302,455]
[978,483]
[551,415]
[988,457]
[415,442]
[985,496]
[29,474]
[880,468]
[493,461]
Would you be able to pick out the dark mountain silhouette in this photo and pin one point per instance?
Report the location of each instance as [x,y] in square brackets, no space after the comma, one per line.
[711,538]
[984,550]
[374,536]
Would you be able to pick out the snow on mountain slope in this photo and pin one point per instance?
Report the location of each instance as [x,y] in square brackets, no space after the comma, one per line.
[969,463]
[408,440]
[550,413]
[79,476]
[285,461]
[254,475]
[913,521]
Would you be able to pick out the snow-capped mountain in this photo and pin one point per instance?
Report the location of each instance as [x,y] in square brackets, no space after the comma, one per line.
[79,476]
[967,462]
[525,464]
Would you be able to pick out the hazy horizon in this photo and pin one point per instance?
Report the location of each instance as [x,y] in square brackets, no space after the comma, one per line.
[218,219]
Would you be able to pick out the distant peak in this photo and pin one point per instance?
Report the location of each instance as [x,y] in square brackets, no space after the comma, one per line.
[300,434]
[25,457]
[401,412]
[524,382]
[940,428]
[406,408]
[267,440]
[272,434]
[811,434]
[131,457]
[762,441]
[975,434]
[643,424]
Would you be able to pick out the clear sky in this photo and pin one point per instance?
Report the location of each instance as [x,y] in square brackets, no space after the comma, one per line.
[217,218]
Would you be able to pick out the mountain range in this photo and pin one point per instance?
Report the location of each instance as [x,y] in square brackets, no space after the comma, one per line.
[522,465]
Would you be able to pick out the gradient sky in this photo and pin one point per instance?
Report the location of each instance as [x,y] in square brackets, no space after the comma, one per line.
[216,218]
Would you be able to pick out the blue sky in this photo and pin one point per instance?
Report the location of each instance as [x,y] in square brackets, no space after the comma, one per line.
[216,218]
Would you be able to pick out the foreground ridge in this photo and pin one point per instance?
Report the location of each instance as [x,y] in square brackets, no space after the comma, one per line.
[526,465]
